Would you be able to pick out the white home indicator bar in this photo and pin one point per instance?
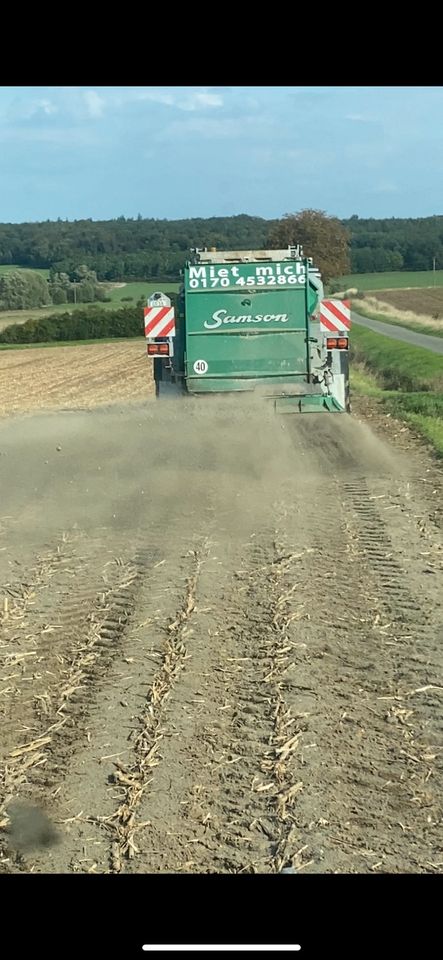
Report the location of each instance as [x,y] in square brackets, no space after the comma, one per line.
[223,947]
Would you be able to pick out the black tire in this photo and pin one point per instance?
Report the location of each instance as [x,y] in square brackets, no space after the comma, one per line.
[344,369]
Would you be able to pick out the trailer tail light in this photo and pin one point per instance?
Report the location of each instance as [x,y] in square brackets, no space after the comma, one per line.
[337,343]
[158,349]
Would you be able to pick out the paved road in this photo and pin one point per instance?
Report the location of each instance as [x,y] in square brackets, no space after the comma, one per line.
[401,333]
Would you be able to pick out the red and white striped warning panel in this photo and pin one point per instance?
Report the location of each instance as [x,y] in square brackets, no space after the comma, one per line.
[335,316]
[159,322]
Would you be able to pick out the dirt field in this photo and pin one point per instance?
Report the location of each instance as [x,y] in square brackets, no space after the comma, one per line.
[422,310]
[220,638]
[426,301]
[73,377]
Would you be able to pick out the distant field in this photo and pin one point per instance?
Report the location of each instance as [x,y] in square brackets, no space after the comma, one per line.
[419,309]
[6,268]
[138,290]
[135,290]
[426,301]
[388,281]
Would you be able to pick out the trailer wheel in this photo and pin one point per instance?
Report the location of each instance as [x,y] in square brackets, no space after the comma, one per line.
[344,363]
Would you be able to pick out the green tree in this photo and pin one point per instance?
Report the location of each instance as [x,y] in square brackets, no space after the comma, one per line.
[22,289]
[324,238]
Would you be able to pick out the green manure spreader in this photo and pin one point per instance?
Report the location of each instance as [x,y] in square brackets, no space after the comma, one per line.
[255,321]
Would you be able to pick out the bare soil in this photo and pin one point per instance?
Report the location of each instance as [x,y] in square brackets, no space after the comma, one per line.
[220,637]
[428,300]
[77,377]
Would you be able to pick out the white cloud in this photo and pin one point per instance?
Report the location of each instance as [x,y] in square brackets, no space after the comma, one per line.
[181,99]
[217,128]
[360,118]
[47,106]
[157,96]
[196,100]
[95,104]
[29,109]
[386,186]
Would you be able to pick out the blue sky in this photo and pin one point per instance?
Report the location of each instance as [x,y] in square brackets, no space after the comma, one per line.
[172,152]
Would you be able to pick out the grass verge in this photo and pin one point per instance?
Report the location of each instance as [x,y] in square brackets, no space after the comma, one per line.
[406,380]
[419,327]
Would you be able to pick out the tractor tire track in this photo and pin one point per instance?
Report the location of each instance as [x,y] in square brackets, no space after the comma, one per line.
[77,653]
[240,670]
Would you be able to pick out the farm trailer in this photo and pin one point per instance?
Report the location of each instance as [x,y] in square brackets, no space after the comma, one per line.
[251,320]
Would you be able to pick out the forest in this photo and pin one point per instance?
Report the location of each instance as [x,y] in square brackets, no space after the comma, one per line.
[128,249]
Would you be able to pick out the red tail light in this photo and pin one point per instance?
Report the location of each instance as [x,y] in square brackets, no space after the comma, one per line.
[158,349]
[337,343]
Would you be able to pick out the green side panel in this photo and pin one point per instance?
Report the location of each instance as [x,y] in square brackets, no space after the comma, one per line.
[206,384]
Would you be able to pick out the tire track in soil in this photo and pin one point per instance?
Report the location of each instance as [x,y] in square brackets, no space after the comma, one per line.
[373,775]
[104,783]
[208,809]
[291,714]
[136,778]
[19,643]
[80,650]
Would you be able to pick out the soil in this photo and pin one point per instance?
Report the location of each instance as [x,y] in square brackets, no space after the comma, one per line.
[220,639]
[428,301]
[74,377]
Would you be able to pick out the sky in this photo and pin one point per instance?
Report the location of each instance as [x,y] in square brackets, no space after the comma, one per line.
[175,152]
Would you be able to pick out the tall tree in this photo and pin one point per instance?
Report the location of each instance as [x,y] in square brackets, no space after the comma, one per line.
[324,238]
[21,289]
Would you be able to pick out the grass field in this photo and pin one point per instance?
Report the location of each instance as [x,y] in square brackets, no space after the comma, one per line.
[134,290]
[392,281]
[137,290]
[6,268]
[407,380]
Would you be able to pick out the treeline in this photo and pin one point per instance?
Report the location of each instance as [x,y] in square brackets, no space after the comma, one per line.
[146,249]
[24,289]
[92,323]
[394,244]
[124,249]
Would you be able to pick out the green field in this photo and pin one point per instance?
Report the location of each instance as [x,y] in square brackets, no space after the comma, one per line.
[6,268]
[138,290]
[391,281]
[134,290]
[407,380]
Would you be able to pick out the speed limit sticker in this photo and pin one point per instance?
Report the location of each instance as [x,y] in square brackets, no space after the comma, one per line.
[200,366]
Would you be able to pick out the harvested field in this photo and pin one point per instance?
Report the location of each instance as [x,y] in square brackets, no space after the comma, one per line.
[50,378]
[220,633]
[426,301]
[419,309]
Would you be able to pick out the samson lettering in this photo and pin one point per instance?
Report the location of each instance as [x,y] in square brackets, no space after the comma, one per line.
[221,316]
